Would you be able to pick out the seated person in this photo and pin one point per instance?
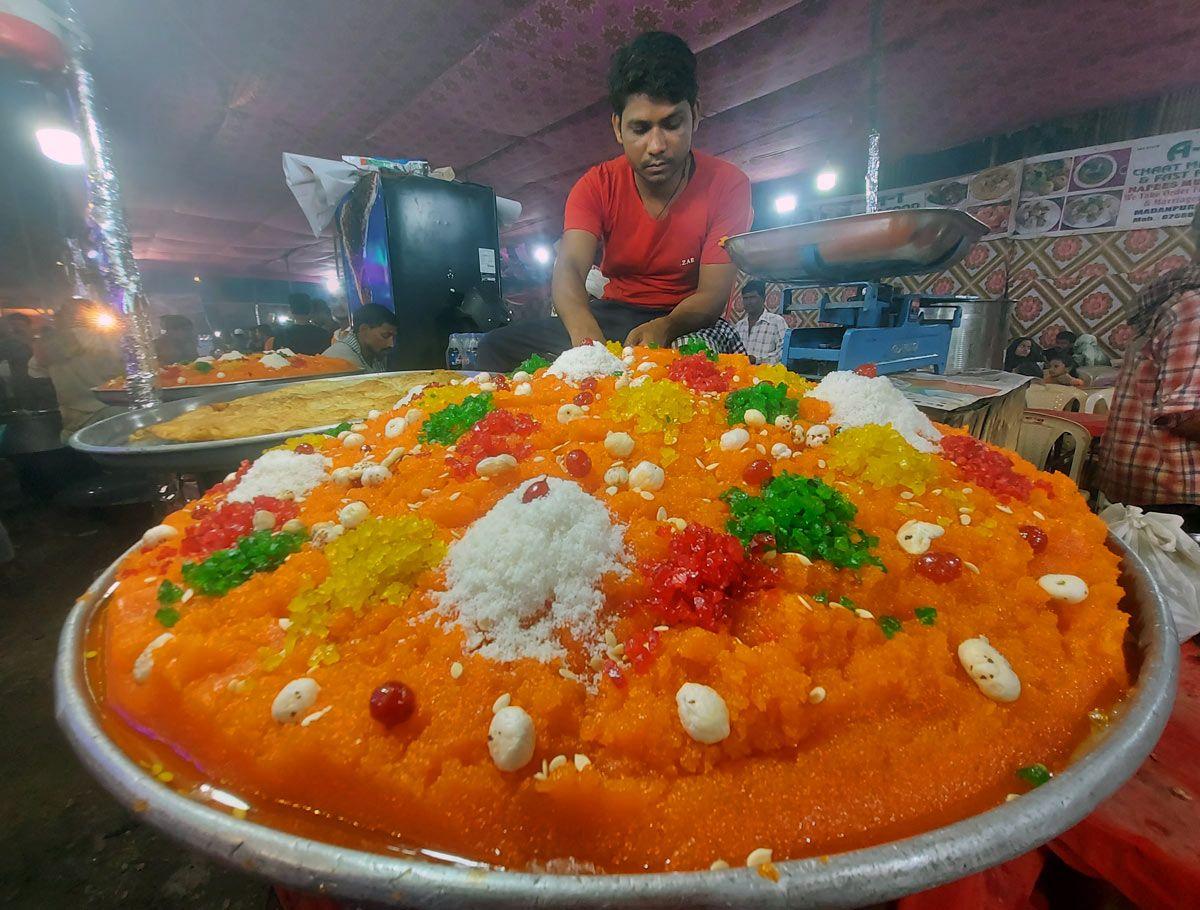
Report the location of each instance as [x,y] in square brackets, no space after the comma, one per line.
[178,342]
[762,332]
[1023,351]
[660,210]
[304,335]
[373,336]
[1060,370]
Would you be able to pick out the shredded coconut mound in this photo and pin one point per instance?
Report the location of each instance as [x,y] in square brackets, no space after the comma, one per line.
[860,400]
[279,473]
[579,363]
[512,605]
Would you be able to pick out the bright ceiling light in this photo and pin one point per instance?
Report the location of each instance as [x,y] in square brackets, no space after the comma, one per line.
[104,320]
[827,180]
[283,318]
[60,145]
[333,284]
[541,254]
[785,203]
[196,278]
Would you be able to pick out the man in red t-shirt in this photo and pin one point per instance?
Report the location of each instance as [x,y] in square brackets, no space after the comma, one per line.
[660,210]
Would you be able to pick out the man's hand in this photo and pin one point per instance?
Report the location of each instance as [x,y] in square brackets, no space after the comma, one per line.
[656,331]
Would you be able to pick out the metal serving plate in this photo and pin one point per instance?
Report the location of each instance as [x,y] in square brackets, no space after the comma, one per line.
[858,247]
[179,392]
[108,440]
[852,879]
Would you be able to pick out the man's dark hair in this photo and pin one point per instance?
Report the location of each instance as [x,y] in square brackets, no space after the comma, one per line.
[1064,338]
[657,64]
[372,315]
[755,286]
[299,304]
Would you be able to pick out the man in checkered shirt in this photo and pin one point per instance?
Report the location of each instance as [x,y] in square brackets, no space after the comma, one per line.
[1151,454]
[761,331]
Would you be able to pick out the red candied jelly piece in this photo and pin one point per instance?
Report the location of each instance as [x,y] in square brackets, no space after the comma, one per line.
[700,374]
[1034,536]
[641,649]
[704,573]
[940,567]
[536,490]
[589,384]
[867,369]
[584,397]
[305,448]
[587,343]
[501,382]
[757,472]
[577,463]
[611,671]
[392,703]
[221,528]
[500,432]
[297,361]
[985,466]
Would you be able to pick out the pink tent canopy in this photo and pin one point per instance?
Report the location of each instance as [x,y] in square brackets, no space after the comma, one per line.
[203,97]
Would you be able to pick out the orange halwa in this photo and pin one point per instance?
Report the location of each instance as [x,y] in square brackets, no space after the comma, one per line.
[844,729]
[209,371]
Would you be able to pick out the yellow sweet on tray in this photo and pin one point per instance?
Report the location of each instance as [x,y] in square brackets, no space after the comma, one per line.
[637,610]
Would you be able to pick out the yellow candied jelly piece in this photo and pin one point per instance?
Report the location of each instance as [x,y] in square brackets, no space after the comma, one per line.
[777,372]
[878,455]
[615,347]
[379,560]
[316,440]
[656,406]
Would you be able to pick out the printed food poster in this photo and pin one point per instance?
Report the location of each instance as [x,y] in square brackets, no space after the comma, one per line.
[1142,183]
[1163,182]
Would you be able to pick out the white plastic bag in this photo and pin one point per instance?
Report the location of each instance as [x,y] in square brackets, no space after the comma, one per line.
[1172,557]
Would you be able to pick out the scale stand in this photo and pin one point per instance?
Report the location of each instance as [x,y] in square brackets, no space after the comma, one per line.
[883,327]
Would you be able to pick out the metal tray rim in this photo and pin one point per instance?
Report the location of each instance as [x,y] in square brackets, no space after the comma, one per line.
[850,879]
[121,396]
[79,439]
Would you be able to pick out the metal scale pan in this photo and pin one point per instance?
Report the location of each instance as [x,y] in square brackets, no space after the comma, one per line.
[857,248]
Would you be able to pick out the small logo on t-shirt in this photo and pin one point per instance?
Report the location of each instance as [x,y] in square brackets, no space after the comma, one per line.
[687,262]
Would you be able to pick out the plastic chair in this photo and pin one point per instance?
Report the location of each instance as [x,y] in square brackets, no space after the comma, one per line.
[1053,397]
[1039,434]
[1098,402]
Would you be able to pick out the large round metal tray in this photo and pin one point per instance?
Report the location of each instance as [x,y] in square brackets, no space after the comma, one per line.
[857,248]
[108,440]
[850,879]
[178,392]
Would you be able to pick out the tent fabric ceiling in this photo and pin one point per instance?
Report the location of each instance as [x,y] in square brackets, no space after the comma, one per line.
[204,95]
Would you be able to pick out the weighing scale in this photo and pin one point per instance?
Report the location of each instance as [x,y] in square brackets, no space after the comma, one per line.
[880,324]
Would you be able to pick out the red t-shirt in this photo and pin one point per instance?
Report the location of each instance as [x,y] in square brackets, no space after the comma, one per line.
[657,263]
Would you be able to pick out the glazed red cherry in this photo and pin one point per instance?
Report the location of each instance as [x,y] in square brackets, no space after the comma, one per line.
[757,472]
[393,703]
[577,463]
[584,397]
[867,369]
[939,567]
[588,384]
[535,490]
[304,449]
[1034,536]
